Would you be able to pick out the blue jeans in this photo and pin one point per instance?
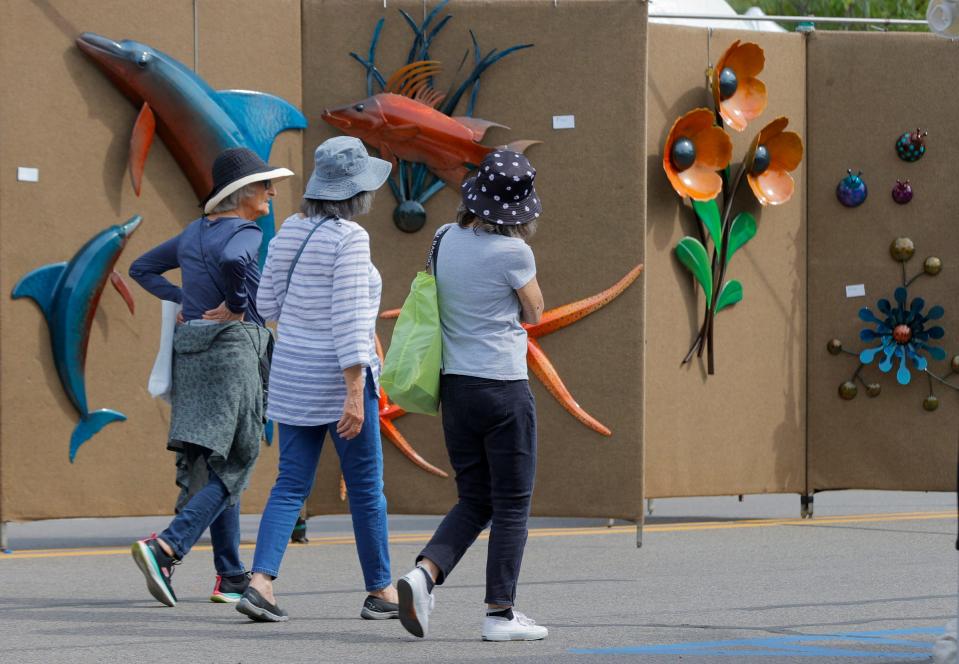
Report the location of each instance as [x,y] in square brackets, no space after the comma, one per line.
[490,431]
[361,460]
[209,507]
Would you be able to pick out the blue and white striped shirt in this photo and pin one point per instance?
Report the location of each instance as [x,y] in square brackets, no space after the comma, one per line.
[327,320]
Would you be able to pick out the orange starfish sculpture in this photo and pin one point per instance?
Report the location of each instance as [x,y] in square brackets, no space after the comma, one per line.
[388,412]
[557,319]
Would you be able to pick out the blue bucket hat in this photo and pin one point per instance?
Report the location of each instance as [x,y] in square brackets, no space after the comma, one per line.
[343,168]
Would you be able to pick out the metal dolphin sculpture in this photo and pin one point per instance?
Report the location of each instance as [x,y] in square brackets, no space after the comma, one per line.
[195,121]
[68,294]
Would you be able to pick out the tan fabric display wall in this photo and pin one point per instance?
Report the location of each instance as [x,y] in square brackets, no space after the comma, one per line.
[589,61]
[60,114]
[864,91]
[741,430]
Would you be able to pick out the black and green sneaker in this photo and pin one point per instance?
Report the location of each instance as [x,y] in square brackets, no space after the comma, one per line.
[229,589]
[157,568]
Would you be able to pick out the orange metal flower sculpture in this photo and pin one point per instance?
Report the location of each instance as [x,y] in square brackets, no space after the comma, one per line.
[695,149]
[773,154]
[737,93]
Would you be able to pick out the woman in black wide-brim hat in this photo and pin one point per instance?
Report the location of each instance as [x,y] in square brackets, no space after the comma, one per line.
[216,420]
[486,282]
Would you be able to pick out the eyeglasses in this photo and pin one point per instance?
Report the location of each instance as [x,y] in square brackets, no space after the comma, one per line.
[267,184]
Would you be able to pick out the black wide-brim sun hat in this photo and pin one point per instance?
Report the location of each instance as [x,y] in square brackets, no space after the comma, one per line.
[502,191]
[235,168]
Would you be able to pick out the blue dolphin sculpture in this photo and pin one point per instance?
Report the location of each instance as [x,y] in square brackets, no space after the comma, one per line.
[68,294]
[195,121]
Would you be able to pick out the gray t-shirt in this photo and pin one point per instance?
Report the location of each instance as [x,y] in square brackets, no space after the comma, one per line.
[477,275]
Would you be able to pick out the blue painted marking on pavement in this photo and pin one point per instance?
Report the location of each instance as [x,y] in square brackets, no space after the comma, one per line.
[795,646]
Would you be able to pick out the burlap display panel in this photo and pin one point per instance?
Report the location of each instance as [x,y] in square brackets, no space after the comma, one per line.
[62,115]
[741,430]
[589,61]
[864,91]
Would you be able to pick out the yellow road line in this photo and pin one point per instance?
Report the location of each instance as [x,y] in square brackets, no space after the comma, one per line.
[416,538]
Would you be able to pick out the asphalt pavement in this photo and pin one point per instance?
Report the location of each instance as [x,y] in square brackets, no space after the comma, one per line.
[871,578]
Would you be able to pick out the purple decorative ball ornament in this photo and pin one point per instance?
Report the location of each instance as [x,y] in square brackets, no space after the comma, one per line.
[851,190]
[902,192]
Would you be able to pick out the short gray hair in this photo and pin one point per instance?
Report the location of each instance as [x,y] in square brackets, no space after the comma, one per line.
[351,208]
[466,219]
[232,202]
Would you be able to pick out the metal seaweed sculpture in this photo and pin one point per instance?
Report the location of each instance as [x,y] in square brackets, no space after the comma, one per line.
[903,334]
[195,121]
[412,124]
[696,160]
[68,294]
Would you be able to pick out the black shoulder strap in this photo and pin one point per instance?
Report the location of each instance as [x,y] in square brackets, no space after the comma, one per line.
[434,251]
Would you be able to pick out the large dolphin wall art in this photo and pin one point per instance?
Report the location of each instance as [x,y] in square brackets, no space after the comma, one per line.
[68,294]
[195,121]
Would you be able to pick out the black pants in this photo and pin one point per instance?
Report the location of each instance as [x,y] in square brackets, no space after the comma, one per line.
[490,429]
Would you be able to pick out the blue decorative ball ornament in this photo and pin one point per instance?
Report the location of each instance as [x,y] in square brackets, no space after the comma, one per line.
[851,190]
[911,146]
[727,83]
[683,153]
[760,160]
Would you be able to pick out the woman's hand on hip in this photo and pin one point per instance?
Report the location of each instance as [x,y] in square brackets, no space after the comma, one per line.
[222,314]
[351,423]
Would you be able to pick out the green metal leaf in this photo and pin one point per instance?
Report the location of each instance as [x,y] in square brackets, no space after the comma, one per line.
[708,213]
[731,293]
[743,230]
[692,254]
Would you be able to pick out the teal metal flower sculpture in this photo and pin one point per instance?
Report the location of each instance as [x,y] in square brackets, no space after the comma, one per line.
[902,334]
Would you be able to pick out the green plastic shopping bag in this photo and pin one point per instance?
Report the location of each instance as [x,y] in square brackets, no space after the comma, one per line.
[411,370]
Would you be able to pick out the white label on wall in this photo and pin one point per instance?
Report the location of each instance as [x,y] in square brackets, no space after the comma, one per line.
[856,290]
[564,122]
[27,174]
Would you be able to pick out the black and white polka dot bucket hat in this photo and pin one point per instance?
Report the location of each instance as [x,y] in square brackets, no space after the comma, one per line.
[502,190]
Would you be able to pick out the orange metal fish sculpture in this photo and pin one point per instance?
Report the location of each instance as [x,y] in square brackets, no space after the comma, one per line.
[557,319]
[403,123]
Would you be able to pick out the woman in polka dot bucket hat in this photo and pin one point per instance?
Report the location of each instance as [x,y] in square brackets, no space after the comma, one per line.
[502,191]
[486,289]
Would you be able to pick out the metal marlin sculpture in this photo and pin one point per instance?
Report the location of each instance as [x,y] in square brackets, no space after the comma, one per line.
[195,121]
[413,125]
[68,294]
[557,319]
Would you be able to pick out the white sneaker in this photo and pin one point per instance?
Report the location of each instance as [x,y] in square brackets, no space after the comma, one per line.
[416,602]
[520,628]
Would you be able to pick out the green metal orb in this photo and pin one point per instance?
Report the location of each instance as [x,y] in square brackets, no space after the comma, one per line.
[760,160]
[409,216]
[848,390]
[682,154]
[727,83]
[902,249]
[873,389]
[932,266]
[930,403]
[834,346]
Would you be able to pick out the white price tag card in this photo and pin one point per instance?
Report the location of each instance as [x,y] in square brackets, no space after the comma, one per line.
[564,122]
[856,290]
[26,174]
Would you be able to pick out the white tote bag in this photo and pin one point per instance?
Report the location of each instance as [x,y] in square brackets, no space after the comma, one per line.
[161,378]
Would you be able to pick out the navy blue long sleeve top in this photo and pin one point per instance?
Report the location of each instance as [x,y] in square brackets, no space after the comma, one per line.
[217,261]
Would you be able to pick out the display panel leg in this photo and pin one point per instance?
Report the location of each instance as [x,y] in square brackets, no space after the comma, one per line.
[806,506]
[639,535]
[3,536]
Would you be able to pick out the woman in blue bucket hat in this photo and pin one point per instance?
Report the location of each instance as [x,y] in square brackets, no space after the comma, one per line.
[321,287]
